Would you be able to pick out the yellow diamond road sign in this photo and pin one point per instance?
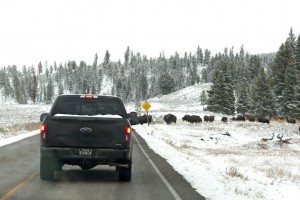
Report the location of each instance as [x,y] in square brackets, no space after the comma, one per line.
[146,106]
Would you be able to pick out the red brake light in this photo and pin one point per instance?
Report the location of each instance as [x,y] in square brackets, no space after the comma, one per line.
[43,129]
[88,96]
[127,132]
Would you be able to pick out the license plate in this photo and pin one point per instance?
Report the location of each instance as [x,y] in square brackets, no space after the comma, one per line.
[85,152]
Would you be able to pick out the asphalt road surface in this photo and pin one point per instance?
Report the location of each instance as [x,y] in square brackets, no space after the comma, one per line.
[153,177]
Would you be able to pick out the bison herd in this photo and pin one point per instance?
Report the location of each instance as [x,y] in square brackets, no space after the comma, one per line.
[170,118]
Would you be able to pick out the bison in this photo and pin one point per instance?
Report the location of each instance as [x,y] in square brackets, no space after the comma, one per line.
[224,119]
[143,119]
[263,120]
[186,118]
[195,119]
[291,120]
[169,118]
[251,119]
[240,118]
[206,118]
[209,118]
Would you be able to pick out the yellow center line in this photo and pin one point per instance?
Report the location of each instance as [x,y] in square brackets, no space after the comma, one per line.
[22,183]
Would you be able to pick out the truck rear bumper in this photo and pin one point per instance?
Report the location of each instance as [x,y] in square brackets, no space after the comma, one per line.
[105,155]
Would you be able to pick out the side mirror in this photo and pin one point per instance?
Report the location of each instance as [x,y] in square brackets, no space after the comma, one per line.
[42,117]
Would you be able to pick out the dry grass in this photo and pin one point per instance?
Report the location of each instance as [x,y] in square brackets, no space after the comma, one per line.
[31,126]
[281,173]
[233,172]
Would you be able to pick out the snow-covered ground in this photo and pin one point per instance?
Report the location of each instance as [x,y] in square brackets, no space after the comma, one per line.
[239,166]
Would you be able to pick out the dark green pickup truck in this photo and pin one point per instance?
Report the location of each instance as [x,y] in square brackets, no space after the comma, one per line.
[86,130]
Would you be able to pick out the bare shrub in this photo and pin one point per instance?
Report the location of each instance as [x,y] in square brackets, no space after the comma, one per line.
[233,172]
[263,146]
[277,172]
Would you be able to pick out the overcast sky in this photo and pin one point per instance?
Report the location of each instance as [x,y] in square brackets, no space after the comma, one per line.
[62,30]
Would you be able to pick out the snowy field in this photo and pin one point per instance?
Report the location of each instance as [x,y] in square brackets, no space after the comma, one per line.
[239,166]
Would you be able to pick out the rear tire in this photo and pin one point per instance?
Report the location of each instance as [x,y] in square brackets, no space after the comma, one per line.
[125,173]
[47,167]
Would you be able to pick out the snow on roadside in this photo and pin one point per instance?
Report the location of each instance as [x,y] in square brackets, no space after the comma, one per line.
[16,138]
[230,167]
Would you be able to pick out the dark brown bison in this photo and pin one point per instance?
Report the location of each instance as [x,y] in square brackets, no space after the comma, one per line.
[206,118]
[169,118]
[209,118]
[291,120]
[186,118]
[195,119]
[263,120]
[240,118]
[251,119]
[224,119]
[143,119]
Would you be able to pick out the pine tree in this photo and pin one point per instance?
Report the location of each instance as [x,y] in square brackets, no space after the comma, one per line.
[199,56]
[118,88]
[2,77]
[126,57]
[40,68]
[61,89]
[254,67]
[144,86]
[50,91]
[296,112]
[288,102]
[284,61]
[243,101]
[166,83]
[297,55]
[106,62]
[221,95]
[203,98]
[215,96]
[278,75]
[262,103]
[17,88]
[7,87]
[34,85]
[51,69]
[206,57]
[229,99]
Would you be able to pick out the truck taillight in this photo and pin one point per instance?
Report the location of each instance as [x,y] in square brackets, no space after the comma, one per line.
[127,131]
[88,96]
[43,129]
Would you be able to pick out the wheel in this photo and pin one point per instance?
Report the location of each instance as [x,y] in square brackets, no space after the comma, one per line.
[47,167]
[125,173]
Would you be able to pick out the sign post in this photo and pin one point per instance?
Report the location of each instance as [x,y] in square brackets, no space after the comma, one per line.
[146,107]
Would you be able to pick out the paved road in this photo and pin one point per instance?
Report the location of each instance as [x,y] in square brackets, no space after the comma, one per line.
[153,177]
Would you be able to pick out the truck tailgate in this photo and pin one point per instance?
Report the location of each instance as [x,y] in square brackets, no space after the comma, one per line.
[86,132]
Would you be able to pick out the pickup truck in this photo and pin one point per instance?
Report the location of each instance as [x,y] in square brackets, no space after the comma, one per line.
[86,130]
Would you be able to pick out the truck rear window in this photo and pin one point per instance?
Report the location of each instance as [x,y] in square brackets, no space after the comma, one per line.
[78,106]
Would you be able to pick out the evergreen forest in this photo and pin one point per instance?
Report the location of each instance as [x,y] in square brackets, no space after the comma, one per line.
[261,85]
